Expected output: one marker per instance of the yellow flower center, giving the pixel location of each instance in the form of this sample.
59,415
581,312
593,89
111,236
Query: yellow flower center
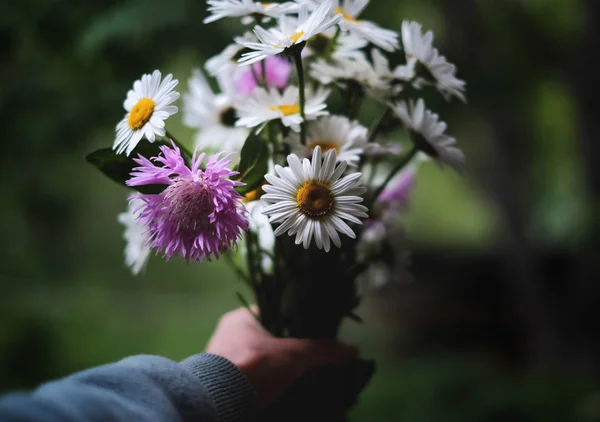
325,145
265,5
345,15
314,199
296,36
286,109
255,194
140,113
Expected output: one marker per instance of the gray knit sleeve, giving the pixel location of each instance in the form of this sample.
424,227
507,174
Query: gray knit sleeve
232,395
203,388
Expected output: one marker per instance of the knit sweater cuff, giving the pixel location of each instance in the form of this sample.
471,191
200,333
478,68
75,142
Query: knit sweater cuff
230,390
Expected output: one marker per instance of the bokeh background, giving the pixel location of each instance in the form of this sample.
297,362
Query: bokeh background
501,322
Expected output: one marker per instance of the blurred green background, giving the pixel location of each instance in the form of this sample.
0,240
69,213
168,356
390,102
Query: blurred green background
501,322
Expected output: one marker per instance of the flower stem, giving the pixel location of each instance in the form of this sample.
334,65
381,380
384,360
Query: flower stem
373,171
260,79
255,76
301,85
263,70
273,139
407,159
253,261
379,125
357,101
182,147
332,44
239,271
376,129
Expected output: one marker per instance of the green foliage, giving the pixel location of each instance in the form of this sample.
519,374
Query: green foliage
560,215
253,163
118,167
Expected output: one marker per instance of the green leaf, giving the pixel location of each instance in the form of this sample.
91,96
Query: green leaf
119,166
253,163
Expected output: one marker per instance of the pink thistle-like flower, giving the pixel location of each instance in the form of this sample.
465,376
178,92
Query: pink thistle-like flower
199,213
277,73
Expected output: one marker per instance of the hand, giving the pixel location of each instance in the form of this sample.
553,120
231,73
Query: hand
271,364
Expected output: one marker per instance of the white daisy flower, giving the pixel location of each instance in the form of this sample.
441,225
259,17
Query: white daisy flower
212,114
419,48
147,106
383,75
406,73
311,199
382,149
289,33
381,65
245,8
259,223
347,45
375,78
137,250
348,138
327,72
429,133
264,106
226,62
350,10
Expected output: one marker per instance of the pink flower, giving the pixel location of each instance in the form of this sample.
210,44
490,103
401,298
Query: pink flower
277,73
397,192
199,213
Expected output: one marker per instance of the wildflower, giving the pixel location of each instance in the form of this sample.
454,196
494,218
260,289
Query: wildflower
311,199
348,138
277,72
199,213
213,115
259,224
376,79
344,45
266,105
147,107
245,8
419,49
428,133
226,62
350,10
290,32
137,250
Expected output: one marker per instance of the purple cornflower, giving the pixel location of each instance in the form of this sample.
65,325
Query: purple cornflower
277,73
199,213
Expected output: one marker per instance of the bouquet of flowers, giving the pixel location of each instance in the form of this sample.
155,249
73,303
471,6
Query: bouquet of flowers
300,172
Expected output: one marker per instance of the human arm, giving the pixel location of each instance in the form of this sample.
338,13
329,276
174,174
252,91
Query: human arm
204,387
243,363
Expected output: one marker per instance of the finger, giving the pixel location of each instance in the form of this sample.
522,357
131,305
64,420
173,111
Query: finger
243,314
244,318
